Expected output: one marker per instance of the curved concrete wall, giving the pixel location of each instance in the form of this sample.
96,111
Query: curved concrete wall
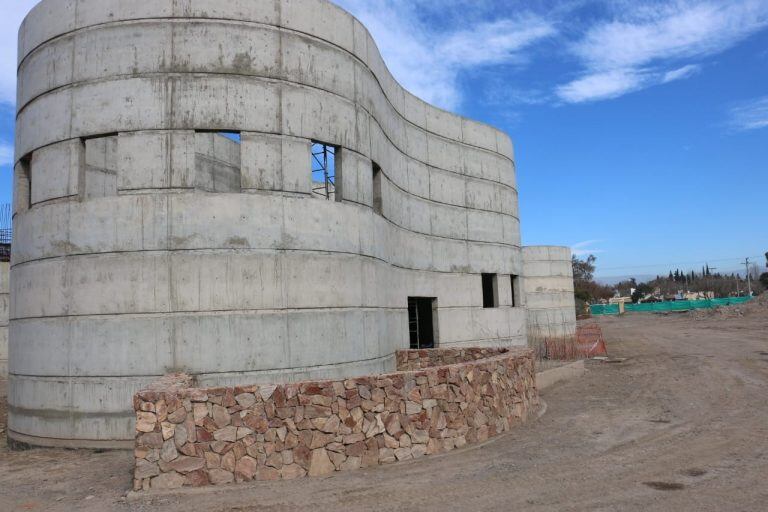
125,267
4,300
548,289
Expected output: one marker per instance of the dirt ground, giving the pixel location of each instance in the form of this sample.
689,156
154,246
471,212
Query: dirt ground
681,424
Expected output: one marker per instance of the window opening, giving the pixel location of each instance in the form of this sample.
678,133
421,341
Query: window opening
6,231
513,281
378,201
23,185
490,291
324,167
422,327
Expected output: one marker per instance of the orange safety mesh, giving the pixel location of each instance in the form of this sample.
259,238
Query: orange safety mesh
588,342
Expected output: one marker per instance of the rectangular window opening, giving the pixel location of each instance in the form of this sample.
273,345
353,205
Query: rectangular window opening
514,282
422,322
6,231
378,200
218,158
326,171
490,291
23,185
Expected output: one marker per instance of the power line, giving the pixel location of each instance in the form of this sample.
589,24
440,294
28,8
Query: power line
698,262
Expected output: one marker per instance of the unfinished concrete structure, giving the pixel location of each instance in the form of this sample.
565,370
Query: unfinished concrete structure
146,242
4,302
548,287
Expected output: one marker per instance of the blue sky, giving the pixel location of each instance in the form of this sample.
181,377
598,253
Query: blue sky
641,127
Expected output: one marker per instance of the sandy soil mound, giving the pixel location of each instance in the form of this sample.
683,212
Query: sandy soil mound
758,306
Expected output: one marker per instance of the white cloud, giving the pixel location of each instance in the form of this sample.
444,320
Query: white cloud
494,42
752,115
428,60
618,82
6,154
601,86
681,73
9,28
583,248
640,48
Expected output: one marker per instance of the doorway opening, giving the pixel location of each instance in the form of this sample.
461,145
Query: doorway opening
422,322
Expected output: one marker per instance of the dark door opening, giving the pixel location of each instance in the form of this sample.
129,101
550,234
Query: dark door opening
490,291
421,321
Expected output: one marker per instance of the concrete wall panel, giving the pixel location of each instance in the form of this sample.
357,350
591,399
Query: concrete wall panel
548,292
4,314
55,171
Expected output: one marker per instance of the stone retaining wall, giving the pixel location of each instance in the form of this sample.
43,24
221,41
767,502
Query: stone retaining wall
409,360
438,401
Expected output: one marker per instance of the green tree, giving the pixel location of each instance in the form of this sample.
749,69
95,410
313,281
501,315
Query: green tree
586,290
641,291
584,270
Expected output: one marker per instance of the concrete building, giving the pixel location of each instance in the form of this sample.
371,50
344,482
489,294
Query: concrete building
239,190
548,288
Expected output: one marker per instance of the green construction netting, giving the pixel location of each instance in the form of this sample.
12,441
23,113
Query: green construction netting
679,305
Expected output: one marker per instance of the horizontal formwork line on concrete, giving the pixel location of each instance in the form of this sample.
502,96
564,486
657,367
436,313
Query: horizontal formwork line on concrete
272,250
283,193
296,369
310,196
284,29
63,414
264,192
85,443
249,312
121,77
432,201
299,195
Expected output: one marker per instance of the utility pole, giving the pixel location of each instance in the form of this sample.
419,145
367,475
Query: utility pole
749,281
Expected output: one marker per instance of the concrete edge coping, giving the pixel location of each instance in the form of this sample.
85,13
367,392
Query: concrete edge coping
549,378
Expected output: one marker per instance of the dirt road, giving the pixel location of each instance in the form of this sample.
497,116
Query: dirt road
681,425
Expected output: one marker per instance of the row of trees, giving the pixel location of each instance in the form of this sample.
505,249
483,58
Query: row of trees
723,285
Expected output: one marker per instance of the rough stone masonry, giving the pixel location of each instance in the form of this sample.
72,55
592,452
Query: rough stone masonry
441,400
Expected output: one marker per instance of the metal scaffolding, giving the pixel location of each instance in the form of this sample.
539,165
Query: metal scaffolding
324,170
6,232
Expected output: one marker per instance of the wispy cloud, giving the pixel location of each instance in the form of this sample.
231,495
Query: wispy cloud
6,154
427,58
499,92
584,248
752,115
602,86
681,73
646,43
